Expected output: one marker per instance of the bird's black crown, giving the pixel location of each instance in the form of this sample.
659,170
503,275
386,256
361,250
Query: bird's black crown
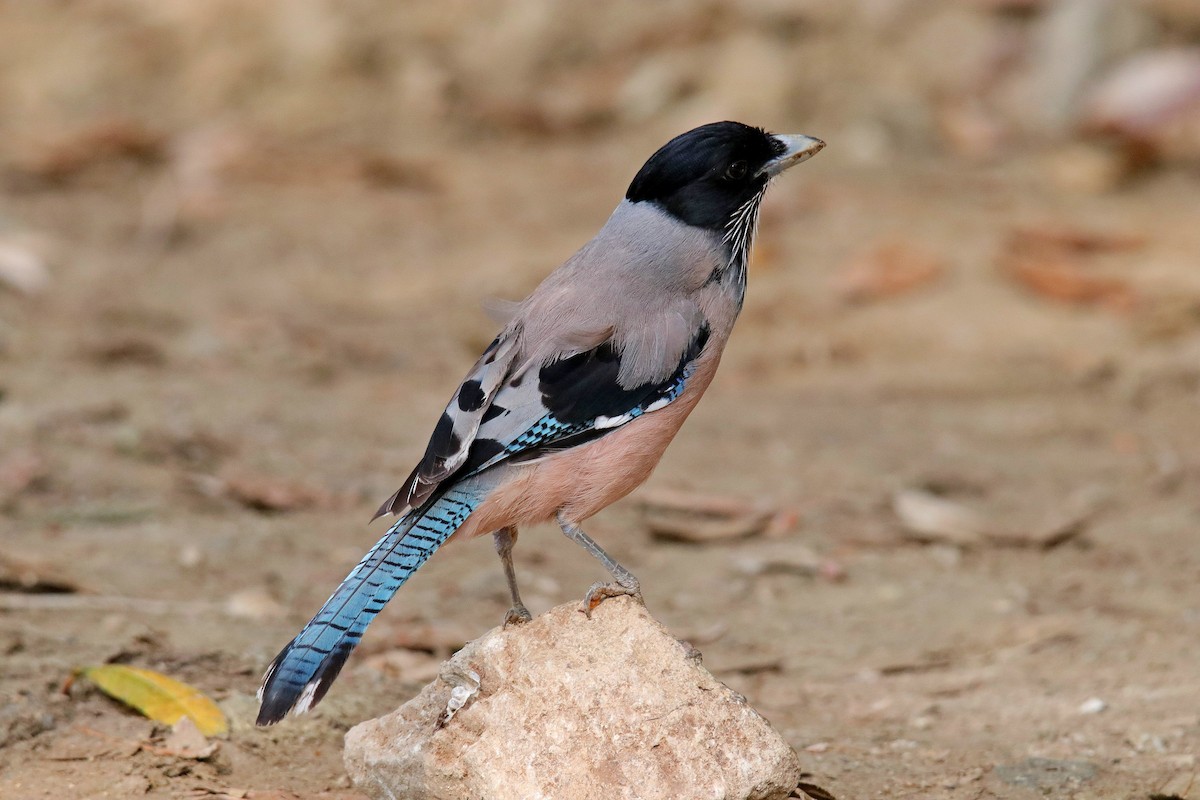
703,176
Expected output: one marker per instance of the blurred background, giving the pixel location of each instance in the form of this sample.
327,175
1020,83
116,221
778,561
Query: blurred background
935,517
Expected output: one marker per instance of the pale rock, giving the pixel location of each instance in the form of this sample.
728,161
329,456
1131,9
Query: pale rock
930,518
23,264
1077,40
570,708
1150,101
253,603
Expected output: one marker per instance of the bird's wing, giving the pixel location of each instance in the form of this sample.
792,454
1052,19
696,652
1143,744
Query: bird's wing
507,411
452,438
570,401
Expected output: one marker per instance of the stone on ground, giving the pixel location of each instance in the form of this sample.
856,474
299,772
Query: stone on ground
570,708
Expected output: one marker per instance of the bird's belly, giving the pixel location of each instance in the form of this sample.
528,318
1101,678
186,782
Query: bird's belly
583,480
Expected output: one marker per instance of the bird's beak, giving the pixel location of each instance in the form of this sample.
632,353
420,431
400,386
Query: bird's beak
797,148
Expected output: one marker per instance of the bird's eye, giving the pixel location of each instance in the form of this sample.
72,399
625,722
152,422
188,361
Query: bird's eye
736,171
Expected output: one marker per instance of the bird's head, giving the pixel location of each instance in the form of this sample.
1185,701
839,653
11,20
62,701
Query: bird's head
706,176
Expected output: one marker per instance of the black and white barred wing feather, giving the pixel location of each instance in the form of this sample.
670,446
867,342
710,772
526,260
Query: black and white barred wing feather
455,432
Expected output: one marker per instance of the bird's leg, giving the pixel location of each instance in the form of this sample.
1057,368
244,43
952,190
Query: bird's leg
624,581
504,539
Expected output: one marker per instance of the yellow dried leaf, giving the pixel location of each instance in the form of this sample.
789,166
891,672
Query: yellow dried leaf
160,698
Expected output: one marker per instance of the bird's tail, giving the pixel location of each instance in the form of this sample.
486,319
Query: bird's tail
304,670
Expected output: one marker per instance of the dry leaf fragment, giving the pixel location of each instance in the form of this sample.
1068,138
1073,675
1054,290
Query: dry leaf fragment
1066,282
104,141
158,697
784,521
1049,262
887,270
748,664
20,576
716,505
1178,787
779,557
271,494
1073,239
412,666
127,350
810,791
21,471
703,518
907,668
186,741
388,172
681,528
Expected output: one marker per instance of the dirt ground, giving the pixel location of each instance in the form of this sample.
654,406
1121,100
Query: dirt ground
205,403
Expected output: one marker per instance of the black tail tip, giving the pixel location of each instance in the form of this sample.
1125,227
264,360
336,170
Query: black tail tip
286,689
271,711
275,701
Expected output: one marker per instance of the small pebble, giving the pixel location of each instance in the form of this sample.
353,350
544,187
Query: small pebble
191,556
1093,706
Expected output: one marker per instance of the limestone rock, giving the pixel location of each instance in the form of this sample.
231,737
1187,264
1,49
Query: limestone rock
570,708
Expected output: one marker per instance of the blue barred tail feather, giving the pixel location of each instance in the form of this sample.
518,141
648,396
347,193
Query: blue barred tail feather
305,669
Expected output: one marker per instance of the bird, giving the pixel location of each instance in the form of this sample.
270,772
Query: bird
573,403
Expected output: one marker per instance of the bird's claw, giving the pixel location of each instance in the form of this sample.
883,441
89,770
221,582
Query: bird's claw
602,591
517,615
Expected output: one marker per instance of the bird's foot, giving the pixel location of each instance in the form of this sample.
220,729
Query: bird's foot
602,591
517,615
